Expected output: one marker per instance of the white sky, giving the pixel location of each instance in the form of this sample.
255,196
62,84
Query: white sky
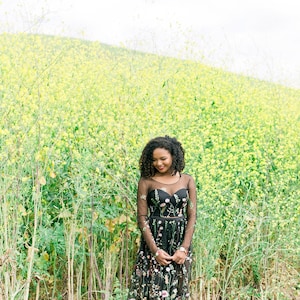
259,38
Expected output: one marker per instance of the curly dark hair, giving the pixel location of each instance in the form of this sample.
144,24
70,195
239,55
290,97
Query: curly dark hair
172,145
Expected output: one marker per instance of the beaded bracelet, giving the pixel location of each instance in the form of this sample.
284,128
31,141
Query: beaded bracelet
157,252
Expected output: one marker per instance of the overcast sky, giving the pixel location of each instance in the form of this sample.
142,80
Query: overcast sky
259,38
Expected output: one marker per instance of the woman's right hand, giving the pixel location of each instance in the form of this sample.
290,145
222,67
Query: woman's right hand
163,258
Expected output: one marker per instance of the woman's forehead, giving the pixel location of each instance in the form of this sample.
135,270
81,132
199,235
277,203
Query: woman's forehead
159,152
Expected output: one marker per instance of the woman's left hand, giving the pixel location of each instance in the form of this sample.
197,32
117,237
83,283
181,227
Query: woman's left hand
179,257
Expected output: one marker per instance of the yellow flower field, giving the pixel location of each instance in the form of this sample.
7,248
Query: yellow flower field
75,116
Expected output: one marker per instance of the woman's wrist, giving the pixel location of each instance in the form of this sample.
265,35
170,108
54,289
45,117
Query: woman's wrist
157,252
183,249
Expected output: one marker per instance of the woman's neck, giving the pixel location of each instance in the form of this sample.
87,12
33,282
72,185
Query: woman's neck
168,178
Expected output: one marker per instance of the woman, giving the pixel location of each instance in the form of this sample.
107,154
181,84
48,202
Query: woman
166,214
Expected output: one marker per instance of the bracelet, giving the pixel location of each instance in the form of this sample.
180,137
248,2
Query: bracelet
182,249
157,252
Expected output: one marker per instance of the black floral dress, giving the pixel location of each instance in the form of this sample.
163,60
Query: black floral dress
169,222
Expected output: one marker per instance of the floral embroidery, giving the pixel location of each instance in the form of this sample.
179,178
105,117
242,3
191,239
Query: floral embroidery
164,294
150,280
143,197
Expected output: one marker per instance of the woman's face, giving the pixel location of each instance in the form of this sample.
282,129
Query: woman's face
162,160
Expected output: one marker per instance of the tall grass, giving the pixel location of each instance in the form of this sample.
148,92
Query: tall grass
75,116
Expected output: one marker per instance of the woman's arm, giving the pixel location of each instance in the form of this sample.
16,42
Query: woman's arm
191,214
142,215
161,256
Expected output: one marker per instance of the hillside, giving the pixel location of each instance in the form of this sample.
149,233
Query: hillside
74,118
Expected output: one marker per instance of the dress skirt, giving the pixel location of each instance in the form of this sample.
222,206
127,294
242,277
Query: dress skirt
150,280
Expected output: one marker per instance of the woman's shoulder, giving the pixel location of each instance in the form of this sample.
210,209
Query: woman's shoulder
145,184
187,176
144,180
189,179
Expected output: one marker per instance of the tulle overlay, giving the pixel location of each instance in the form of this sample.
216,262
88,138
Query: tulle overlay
167,222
